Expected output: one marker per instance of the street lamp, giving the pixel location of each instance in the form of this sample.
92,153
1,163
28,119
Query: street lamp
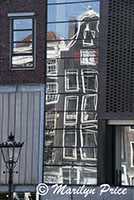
10,152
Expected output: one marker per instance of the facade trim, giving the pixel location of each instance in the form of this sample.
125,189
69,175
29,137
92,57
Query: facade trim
41,151
26,14
120,122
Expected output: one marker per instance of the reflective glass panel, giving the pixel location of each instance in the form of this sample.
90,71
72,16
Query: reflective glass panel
71,104
22,48
71,80
70,30
22,36
70,1
22,24
70,175
72,64
66,12
22,61
90,80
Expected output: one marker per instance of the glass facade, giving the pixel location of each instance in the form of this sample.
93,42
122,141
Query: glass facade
71,125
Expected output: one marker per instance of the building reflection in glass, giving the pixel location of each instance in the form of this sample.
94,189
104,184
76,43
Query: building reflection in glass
127,155
71,125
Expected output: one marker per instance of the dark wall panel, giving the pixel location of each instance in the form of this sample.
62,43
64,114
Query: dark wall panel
116,60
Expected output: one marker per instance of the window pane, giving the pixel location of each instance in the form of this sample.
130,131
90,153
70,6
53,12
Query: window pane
88,138
71,110
22,61
52,67
69,30
89,103
22,24
22,36
88,176
22,48
66,12
50,119
88,57
51,93
70,175
66,1
90,81
71,80
88,153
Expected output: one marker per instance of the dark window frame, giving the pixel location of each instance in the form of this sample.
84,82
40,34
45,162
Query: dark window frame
12,42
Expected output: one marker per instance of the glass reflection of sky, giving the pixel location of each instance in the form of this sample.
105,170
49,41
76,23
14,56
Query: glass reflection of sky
22,35
22,24
65,12
65,1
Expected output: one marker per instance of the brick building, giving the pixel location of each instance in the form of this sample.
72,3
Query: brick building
22,72
85,58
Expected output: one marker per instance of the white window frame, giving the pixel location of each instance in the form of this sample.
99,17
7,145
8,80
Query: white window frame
70,178
132,154
52,93
65,111
88,58
93,132
87,44
131,177
53,65
125,174
90,170
50,116
57,174
73,147
90,73
131,129
68,72
82,107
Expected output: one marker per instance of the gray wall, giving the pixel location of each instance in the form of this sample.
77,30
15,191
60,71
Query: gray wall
21,112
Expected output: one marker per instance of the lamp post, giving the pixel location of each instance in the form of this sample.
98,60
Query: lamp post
10,152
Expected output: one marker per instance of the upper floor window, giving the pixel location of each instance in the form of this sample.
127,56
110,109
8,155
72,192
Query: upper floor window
52,68
69,143
89,107
71,110
52,93
71,80
22,43
88,57
89,80
88,36
50,123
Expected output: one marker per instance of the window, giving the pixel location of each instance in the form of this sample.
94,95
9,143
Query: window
124,175
89,107
89,80
88,57
22,44
88,175
131,180
88,36
132,153
88,143
50,123
52,93
71,80
71,110
131,128
69,175
69,143
52,67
